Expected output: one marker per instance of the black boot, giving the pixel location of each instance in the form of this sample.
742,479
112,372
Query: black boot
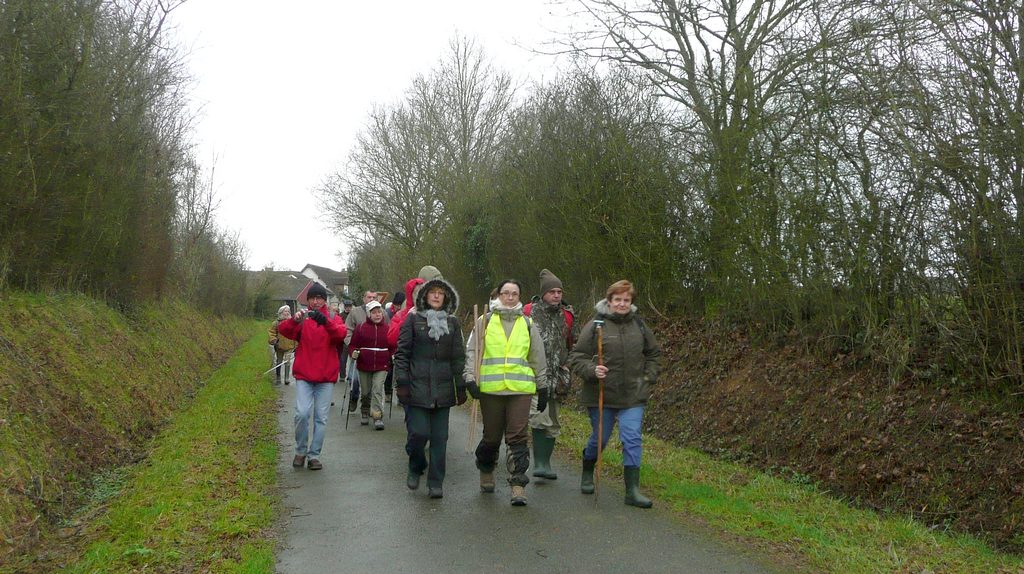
543,446
587,480
633,496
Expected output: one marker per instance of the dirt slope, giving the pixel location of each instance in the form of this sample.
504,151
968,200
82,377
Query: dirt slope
951,458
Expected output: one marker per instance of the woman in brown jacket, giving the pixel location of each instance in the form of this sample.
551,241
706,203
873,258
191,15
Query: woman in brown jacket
282,345
629,368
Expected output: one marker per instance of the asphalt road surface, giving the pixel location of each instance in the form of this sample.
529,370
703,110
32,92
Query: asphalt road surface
356,515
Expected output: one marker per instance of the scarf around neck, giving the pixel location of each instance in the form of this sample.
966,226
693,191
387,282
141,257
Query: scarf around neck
437,323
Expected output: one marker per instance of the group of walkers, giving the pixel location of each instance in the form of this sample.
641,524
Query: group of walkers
516,362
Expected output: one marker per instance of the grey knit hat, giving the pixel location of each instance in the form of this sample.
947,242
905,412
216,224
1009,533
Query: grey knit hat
548,281
429,273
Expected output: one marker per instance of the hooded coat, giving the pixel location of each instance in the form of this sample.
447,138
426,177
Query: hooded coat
431,365
630,352
399,318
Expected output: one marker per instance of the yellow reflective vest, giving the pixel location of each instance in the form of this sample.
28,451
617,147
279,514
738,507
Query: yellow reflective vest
505,366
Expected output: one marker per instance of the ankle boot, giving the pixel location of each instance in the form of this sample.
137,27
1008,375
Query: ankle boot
587,480
518,496
631,474
543,446
487,481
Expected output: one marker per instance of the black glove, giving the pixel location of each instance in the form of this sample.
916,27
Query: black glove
460,396
473,388
403,392
542,399
317,316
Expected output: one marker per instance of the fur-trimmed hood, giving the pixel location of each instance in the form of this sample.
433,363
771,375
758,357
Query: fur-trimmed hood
601,308
451,297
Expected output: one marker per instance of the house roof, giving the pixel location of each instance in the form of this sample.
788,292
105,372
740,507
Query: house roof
327,275
280,285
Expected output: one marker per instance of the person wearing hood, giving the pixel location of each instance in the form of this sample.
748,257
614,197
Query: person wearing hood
411,289
427,273
282,346
320,334
513,369
369,348
391,310
429,361
556,322
629,368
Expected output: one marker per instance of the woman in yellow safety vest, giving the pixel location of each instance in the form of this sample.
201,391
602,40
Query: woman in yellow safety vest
512,370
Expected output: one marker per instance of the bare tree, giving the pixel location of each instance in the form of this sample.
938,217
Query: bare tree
417,157
728,65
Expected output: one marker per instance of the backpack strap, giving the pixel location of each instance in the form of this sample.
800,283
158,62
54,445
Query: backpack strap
640,323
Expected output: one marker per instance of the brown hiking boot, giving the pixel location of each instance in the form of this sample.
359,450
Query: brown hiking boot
518,496
314,464
299,461
486,481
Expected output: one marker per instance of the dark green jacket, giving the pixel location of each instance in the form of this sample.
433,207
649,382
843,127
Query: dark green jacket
630,352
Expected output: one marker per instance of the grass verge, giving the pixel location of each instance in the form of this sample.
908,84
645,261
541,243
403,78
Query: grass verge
205,498
84,388
792,518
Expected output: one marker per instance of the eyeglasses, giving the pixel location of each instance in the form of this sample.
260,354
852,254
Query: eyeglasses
311,297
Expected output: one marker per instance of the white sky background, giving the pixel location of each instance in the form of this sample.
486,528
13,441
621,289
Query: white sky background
282,89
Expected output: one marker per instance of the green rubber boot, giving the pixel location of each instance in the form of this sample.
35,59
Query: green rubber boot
587,480
631,474
543,446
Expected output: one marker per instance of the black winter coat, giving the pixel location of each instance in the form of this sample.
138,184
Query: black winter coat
432,368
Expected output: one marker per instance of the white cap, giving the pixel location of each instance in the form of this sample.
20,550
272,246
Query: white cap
372,305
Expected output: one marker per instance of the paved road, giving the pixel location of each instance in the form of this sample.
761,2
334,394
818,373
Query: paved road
356,515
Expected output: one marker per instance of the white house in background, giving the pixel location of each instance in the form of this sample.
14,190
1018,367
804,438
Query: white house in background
335,281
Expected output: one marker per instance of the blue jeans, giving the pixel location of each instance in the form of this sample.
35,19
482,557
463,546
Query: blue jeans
630,420
311,399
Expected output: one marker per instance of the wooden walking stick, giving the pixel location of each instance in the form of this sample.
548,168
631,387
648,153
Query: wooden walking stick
477,354
599,327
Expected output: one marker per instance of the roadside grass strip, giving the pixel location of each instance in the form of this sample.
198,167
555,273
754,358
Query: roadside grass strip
791,518
205,498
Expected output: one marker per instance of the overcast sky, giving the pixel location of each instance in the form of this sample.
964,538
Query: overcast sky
283,88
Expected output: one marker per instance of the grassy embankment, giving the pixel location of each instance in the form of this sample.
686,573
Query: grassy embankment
83,390
790,519
205,499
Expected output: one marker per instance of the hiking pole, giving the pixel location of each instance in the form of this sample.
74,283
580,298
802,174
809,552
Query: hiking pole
348,397
476,372
284,362
391,397
599,326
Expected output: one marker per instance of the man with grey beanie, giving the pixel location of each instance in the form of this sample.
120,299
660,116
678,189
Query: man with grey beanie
555,321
